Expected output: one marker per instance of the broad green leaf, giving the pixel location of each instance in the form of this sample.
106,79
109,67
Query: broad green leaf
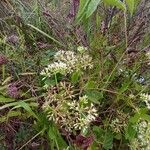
99,133
116,3
92,7
131,5
135,118
108,141
75,77
130,132
53,134
145,117
94,96
90,85
5,100
105,137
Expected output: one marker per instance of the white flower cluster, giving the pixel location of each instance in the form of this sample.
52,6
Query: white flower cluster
86,113
56,67
71,114
146,99
67,62
119,123
143,136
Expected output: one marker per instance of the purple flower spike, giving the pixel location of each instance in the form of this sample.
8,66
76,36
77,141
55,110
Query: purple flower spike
3,59
13,39
13,91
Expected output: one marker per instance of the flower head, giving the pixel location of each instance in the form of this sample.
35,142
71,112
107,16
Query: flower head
13,39
81,49
54,68
3,59
69,113
146,99
13,91
142,139
66,62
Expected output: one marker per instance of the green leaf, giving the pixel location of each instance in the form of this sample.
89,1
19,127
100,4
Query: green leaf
116,3
19,104
75,77
145,117
131,5
90,85
105,137
94,96
108,141
5,100
135,118
130,132
92,6
53,134
82,10
10,114
99,133
27,107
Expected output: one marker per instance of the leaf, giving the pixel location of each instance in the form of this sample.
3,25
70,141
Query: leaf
105,137
131,5
108,141
99,133
130,132
116,3
5,100
145,117
75,77
94,96
92,6
10,114
27,108
82,9
22,104
53,134
135,118
90,85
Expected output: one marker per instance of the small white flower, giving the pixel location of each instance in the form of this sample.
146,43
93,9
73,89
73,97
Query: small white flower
143,135
75,116
148,55
81,49
146,99
54,68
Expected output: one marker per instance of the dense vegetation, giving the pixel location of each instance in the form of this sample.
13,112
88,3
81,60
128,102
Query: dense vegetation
74,75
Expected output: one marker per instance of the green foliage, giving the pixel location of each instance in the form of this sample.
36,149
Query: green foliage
116,3
98,102
131,5
92,7
104,137
88,7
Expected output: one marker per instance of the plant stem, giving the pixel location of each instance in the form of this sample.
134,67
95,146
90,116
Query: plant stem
125,29
3,72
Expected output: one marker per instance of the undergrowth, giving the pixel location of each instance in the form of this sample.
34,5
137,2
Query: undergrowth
74,75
